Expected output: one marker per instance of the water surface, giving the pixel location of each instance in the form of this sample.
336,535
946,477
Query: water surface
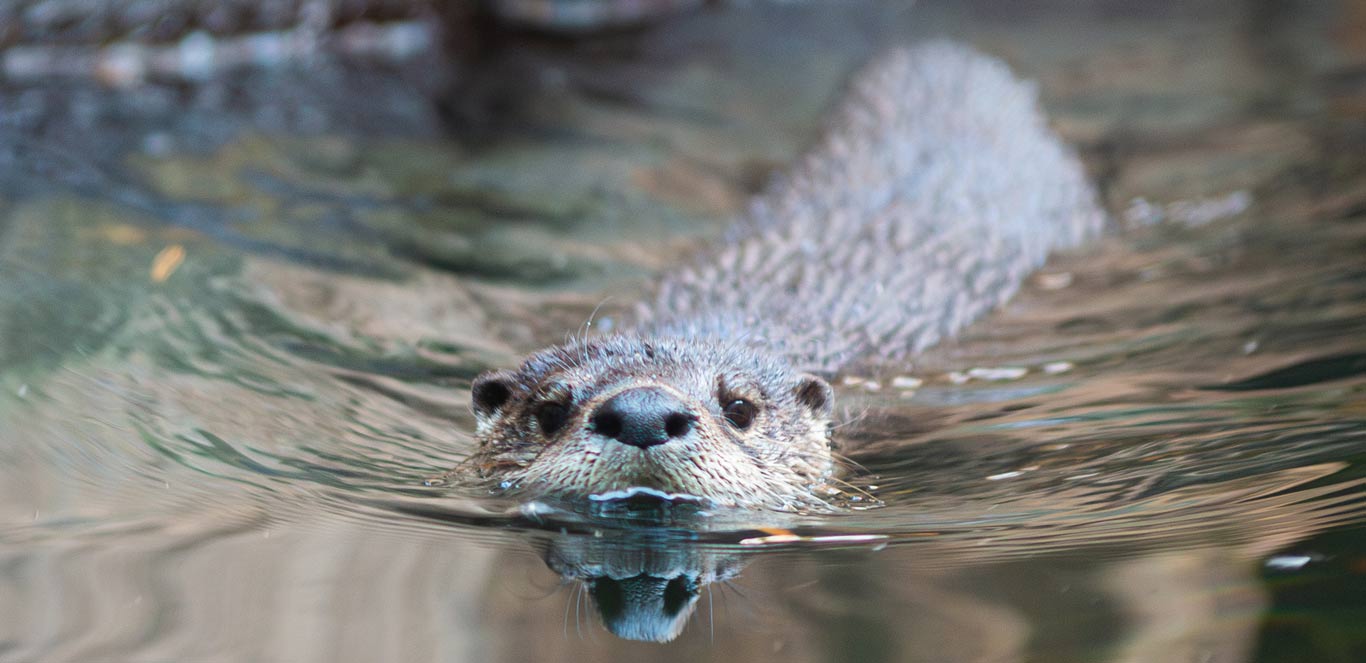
237,332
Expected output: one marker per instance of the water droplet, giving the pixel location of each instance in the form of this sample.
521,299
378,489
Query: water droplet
906,382
1290,562
993,374
1055,281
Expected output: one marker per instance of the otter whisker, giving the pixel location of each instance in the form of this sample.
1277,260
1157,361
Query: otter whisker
571,595
847,462
711,616
852,420
578,602
583,329
855,489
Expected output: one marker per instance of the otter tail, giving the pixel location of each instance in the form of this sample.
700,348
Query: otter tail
936,189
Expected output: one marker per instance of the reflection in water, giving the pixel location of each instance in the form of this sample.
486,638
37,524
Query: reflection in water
643,589
1177,570
227,368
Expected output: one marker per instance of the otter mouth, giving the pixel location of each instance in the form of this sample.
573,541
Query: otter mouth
647,494
643,501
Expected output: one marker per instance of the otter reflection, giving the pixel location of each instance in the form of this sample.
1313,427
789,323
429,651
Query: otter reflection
644,587
1169,577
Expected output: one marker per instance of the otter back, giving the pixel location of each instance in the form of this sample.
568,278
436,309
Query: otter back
936,189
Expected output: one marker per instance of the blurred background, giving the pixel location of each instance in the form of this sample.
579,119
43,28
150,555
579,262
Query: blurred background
251,254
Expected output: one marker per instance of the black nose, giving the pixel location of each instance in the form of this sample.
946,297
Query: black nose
643,417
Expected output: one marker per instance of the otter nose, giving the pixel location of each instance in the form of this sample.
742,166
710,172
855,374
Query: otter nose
643,417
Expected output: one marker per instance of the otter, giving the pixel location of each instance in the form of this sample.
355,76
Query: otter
935,190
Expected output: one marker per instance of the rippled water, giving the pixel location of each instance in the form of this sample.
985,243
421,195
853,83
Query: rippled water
231,361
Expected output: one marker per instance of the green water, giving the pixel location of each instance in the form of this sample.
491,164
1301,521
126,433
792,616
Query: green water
234,350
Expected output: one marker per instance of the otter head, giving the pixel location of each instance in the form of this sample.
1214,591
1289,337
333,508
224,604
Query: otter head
620,415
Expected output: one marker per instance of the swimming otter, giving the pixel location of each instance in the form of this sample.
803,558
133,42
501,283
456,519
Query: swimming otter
936,189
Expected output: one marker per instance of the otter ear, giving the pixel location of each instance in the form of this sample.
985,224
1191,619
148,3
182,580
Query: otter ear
491,391
815,394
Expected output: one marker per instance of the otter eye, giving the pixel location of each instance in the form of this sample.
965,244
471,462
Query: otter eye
550,416
740,413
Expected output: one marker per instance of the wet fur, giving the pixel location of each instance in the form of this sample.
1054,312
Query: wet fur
787,445
936,190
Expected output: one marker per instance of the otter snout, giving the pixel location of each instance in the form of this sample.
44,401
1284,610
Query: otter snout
643,417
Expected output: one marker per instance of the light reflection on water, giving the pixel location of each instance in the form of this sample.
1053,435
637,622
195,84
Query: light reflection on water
226,457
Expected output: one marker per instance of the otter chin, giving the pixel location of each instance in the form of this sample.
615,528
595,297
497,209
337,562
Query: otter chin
622,416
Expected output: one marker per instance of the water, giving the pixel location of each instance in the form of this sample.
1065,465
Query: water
235,343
